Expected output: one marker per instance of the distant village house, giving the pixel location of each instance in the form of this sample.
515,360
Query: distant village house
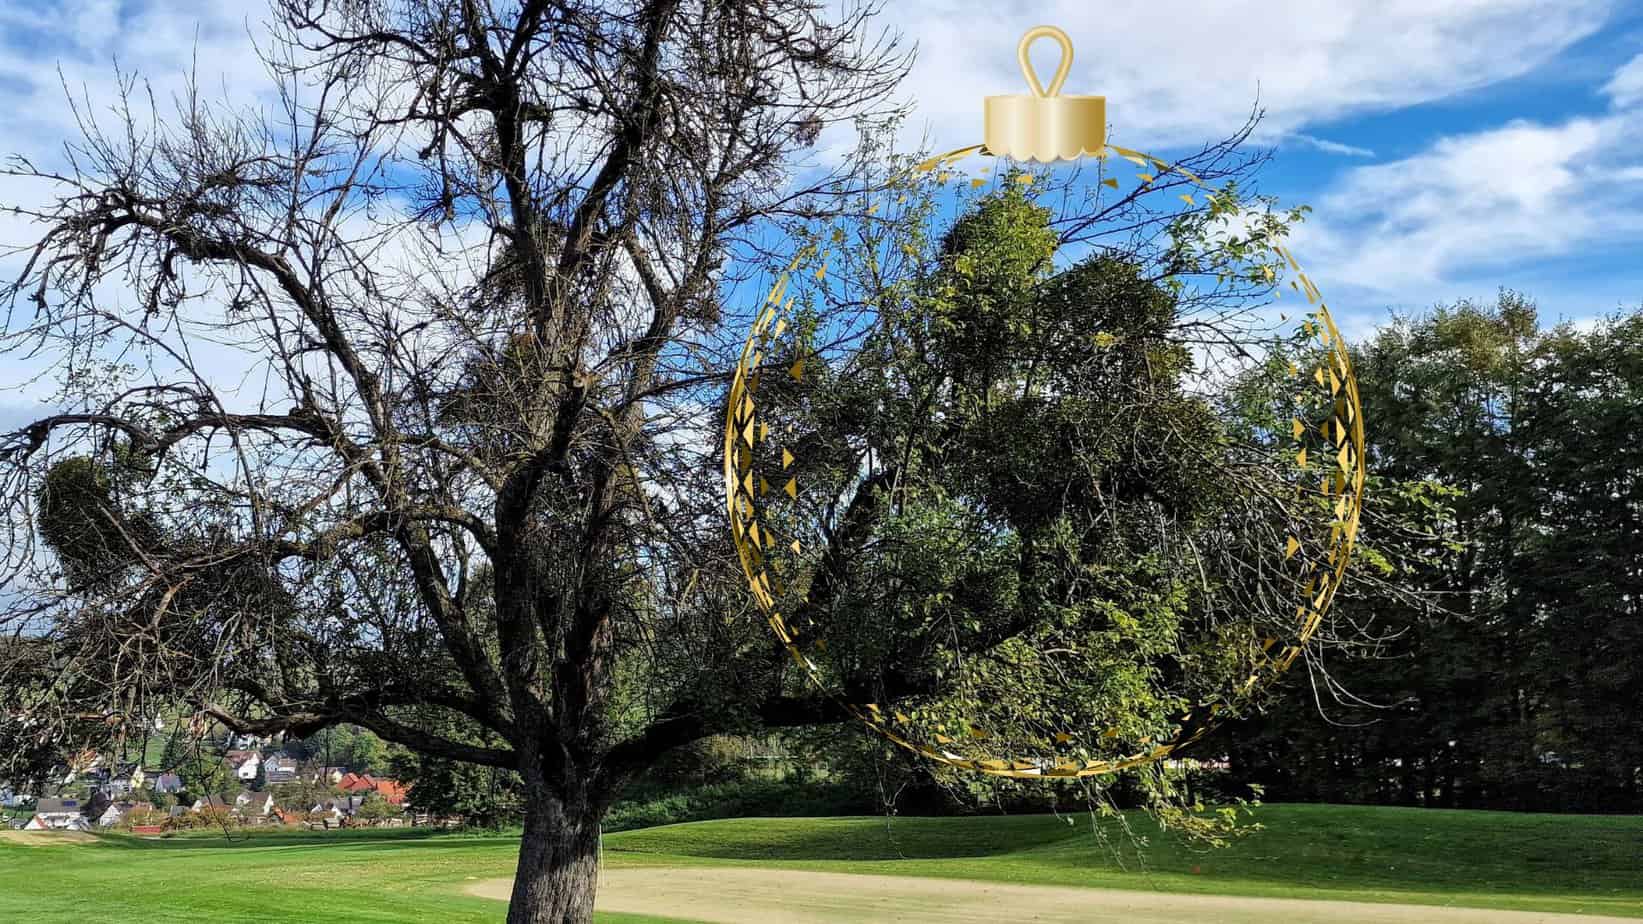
244,764
58,815
124,781
280,769
116,811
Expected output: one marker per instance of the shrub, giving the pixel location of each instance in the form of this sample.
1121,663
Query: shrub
375,808
204,819
645,807
141,816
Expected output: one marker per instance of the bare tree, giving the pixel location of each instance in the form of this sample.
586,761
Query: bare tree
473,263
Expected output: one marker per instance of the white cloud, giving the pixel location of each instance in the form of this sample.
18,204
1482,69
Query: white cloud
1188,73
48,54
1327,146
1501,197
1527,205
76,46
1626,87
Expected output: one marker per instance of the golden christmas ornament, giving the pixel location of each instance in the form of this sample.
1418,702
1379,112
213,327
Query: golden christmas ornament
759,465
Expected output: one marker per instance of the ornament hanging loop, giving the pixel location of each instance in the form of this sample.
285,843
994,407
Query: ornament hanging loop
1044,125
1061,70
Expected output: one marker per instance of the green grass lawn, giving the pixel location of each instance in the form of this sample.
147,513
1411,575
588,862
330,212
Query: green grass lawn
1571,863
1532,862
335,877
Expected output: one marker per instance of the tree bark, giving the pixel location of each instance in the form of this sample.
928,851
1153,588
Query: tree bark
558,871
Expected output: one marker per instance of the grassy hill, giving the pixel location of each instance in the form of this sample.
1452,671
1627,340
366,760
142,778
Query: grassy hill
1492,860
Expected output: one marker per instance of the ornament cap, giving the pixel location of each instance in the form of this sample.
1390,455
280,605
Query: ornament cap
1045,126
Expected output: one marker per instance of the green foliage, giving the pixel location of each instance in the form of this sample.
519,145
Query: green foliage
485,796
203,773
143,816
206,819
648,806
376,808
303,793
350,746
1043,475
80,519
1508,503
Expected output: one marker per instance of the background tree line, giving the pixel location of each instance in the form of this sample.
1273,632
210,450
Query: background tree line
1510,676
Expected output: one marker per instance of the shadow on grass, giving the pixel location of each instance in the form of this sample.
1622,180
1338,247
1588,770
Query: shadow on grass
857,838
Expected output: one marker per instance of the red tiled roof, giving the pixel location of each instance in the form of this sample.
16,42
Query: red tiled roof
236,758
393,791
357,782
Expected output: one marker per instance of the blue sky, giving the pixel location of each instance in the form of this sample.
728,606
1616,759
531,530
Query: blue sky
1448,147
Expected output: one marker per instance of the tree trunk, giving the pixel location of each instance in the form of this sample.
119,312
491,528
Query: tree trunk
558,864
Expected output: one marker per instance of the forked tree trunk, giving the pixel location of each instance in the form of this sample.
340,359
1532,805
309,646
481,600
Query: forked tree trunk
558,864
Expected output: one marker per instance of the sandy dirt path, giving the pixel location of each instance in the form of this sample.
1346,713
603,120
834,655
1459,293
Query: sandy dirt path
727,895
46,838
